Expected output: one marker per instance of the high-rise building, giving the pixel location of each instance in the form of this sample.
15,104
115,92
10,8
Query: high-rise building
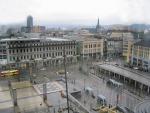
30,21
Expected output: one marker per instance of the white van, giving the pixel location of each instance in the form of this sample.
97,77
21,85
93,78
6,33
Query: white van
89,91
101,100
112,82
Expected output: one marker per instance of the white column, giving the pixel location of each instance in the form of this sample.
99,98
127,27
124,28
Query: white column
148,89
135,84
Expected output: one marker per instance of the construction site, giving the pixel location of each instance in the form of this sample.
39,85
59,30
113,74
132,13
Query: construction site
51,90
50,97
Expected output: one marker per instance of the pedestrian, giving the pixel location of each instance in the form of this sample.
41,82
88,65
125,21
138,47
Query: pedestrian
41,104
84,102
90,106
103,79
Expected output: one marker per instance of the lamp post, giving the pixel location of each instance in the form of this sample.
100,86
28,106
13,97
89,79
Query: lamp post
66,80
84,84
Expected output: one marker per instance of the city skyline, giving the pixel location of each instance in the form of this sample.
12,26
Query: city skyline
74,56
75,12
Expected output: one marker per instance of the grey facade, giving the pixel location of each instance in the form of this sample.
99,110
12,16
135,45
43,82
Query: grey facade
46,51
114,48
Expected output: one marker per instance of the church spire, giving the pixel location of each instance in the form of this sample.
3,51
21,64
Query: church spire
98,22
98,26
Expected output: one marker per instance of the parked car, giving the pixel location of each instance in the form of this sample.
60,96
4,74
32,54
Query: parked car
106,60
116,64
136,68
43,69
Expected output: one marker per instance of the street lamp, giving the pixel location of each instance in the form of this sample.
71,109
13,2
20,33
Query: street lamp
66,80
84,84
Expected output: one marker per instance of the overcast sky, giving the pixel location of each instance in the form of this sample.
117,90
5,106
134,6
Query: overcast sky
75,11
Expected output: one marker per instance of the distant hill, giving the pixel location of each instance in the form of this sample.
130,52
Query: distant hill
147,36
139,27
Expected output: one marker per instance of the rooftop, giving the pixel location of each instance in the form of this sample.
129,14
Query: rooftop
143,43
141,78
116,34
41,39
114,39
89,39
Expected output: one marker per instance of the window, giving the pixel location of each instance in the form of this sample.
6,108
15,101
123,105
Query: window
85,46
31,57
21,57
10,58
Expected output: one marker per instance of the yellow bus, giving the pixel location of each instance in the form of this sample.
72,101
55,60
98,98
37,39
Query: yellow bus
9,73
61,72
